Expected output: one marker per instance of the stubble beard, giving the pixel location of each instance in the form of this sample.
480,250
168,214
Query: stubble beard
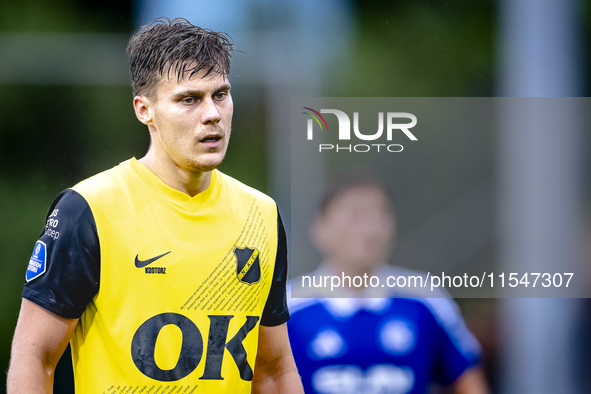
197,166
200,168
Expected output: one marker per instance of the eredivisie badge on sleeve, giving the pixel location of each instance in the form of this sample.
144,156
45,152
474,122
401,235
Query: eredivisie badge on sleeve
248,269
37,262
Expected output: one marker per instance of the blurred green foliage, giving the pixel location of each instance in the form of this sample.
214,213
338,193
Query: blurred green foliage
425,48
65,16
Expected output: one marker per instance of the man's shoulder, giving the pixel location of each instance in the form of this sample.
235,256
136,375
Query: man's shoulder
242,190
105,183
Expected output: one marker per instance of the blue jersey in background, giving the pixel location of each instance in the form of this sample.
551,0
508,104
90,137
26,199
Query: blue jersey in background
379,345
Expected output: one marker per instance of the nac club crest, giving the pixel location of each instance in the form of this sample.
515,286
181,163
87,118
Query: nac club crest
248,267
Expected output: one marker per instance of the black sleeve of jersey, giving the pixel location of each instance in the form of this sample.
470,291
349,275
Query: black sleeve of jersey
72,271
276,312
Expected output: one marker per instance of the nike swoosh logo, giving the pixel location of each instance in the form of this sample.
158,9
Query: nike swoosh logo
142,263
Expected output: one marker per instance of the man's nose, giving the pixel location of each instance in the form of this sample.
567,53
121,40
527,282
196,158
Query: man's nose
210,112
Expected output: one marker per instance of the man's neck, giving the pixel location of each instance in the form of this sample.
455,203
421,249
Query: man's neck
174,176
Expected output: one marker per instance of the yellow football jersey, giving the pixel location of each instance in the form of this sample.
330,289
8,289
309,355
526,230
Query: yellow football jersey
183,282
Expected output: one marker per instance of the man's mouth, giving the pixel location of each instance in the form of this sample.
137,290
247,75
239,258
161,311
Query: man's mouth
211,138
211,141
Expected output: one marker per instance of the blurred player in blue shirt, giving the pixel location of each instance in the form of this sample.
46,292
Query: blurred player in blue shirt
358,345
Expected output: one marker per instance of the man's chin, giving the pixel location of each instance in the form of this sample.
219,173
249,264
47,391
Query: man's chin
204,166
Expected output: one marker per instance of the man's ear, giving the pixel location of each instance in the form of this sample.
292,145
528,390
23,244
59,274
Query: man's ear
143,109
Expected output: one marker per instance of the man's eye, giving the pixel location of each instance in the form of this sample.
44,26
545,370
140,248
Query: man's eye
220,95
188,100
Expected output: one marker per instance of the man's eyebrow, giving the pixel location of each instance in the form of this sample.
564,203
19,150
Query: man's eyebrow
225,86
192,92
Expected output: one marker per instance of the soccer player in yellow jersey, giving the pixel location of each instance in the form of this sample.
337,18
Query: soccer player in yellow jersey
165,275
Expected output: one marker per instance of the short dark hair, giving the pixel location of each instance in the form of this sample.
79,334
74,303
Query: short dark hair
342,185
175,45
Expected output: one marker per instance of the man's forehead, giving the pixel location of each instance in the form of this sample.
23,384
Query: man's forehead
197,82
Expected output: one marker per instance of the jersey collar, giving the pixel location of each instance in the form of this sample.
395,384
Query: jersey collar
177,197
